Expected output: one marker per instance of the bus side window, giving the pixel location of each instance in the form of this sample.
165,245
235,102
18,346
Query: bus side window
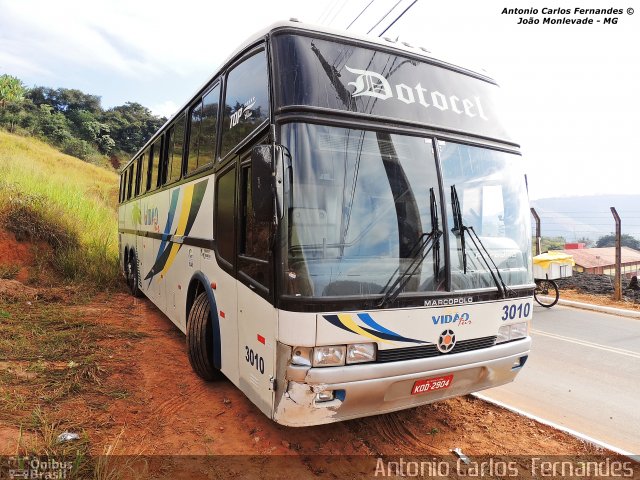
144,172
122,174
177,150
135,178
203,130
167,151
156,164
209,126
138,179
125,187
129,180
174,151
225,215
194,137
246,103
254,236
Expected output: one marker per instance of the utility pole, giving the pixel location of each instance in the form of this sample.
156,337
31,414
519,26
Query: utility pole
537,219
617,282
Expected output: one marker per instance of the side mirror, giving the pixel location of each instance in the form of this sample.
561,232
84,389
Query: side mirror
262,182
282,179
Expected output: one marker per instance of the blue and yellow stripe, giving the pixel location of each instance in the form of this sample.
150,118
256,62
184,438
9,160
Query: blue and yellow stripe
191,202
371,329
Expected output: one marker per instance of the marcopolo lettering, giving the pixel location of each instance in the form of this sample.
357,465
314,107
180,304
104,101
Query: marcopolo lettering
372,84
447,301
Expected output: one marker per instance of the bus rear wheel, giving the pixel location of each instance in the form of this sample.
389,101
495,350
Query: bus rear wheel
200,339
132,274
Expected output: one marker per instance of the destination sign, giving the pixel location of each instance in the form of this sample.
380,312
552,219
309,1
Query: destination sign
327,74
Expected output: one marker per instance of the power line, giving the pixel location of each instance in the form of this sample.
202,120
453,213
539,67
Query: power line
344,3
363,10
385,16
327,11
398,17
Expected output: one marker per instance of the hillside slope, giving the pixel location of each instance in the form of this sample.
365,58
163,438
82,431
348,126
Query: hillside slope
57,199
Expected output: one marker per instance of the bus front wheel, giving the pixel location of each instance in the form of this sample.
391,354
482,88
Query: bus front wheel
200,339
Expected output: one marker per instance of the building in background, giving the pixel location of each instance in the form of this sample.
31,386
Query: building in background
603,260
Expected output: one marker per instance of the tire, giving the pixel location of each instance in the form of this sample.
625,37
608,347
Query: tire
200,339
549,289
132,275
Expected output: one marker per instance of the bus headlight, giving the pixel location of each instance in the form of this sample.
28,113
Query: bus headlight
519,330
361,352
329,356
333,355
302,356
506,333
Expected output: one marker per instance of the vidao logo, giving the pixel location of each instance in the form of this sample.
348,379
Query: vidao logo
459,318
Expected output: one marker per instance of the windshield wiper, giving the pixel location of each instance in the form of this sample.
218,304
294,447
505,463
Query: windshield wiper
459,229
435,227
425,243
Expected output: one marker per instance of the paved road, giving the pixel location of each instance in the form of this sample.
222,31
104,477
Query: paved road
583,373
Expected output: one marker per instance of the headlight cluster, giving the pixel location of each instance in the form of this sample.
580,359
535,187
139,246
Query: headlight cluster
334,355
506,333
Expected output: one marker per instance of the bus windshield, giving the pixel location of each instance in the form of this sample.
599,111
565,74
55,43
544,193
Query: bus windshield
361,206
494,206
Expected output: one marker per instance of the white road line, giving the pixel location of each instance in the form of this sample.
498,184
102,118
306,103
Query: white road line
619,351
557,426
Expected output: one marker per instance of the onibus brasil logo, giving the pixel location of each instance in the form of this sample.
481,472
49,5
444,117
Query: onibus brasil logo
372,84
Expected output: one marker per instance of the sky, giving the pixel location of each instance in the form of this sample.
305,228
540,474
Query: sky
571,90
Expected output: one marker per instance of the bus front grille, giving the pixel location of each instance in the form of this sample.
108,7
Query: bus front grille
426,351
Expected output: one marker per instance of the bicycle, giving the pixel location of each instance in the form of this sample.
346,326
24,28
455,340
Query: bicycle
547,288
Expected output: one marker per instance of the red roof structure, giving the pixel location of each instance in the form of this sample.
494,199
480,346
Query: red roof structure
599,260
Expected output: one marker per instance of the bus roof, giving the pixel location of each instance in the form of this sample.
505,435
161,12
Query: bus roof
293,24
386,42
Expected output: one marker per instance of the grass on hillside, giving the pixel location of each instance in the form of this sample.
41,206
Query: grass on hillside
47,196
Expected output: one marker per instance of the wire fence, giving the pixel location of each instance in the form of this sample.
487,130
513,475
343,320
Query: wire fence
591,229
574,226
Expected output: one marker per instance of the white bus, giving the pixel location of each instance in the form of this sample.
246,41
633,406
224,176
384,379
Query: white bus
338,224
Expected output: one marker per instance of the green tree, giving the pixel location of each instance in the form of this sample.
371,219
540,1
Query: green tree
65,99
625,240
131,125
550,243
53,125
75,121
11,90
11,116
587,242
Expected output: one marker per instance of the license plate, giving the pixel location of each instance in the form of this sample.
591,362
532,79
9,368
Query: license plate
431,384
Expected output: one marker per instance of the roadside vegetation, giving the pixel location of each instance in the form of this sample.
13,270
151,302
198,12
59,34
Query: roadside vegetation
65,207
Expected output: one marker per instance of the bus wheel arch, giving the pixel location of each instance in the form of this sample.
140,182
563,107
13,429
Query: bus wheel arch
203,329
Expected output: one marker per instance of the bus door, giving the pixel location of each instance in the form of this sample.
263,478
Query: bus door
256,314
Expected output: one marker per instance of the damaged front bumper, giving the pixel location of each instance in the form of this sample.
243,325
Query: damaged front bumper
376,388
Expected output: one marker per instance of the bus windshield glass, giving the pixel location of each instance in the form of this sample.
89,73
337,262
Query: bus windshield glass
360,208
494,209
360,213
